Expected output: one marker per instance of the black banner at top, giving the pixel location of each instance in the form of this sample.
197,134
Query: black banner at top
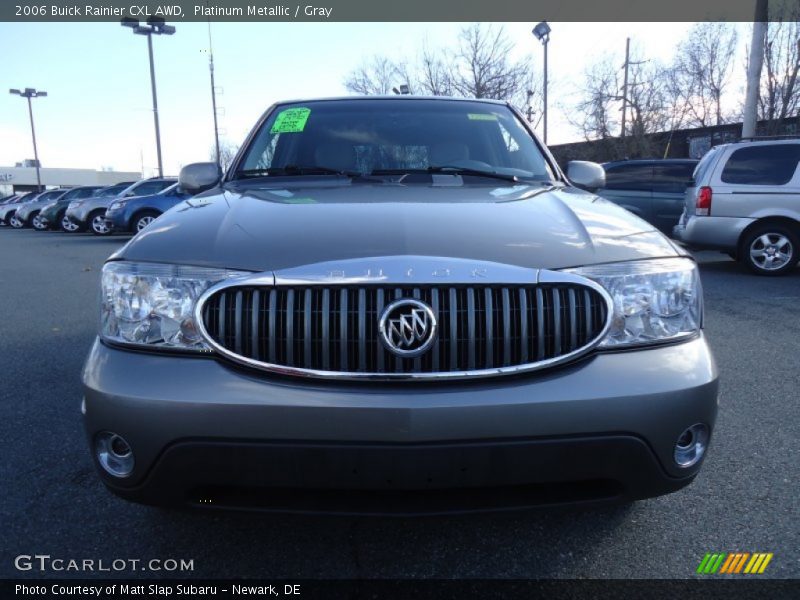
175,11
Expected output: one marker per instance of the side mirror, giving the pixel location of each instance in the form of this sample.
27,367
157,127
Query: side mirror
585,174
199,177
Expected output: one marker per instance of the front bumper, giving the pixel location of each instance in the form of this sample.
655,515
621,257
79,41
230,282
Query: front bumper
205,433
116,220
79,215
23,214
51,217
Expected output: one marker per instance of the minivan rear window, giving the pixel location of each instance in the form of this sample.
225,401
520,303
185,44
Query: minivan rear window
702,167
773,164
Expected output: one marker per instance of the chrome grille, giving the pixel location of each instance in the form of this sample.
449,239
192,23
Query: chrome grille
333,329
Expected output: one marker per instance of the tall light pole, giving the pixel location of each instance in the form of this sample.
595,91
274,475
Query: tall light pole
213,91
32,93
542,33
153,26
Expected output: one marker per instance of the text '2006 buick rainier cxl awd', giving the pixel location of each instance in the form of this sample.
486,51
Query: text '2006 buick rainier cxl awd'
398,305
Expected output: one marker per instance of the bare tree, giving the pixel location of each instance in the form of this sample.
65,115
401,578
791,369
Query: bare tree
435,73
595,113
227,152
780,89
598,109
701,71
377,76
484,67
480,67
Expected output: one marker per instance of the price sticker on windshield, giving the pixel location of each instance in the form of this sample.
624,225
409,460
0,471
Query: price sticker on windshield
481,117
291,120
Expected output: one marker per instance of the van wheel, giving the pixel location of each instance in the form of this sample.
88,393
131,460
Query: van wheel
770,250
97,223
143,219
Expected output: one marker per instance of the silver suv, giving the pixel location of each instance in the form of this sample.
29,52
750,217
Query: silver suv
745,200
397,305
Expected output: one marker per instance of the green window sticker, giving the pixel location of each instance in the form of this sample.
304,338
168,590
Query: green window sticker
291,120
481,117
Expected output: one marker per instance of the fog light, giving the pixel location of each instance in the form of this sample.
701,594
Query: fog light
691,445
114,454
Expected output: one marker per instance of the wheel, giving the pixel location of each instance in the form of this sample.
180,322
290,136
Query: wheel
770,250
15,222
144,219
97,223
37,223
67,225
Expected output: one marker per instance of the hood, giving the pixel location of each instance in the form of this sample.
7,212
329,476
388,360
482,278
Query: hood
272,229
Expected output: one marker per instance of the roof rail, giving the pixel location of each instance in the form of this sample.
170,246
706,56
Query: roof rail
760,138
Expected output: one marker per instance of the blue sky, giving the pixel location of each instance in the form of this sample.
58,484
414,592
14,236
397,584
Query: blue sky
98,112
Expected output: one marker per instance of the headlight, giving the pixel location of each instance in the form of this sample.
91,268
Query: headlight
654,300
47,207
152,305
117,204
75,203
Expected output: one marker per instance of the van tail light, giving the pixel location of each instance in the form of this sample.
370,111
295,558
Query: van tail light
703,205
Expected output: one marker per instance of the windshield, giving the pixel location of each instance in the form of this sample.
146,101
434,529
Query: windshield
390,137
46,196
111,191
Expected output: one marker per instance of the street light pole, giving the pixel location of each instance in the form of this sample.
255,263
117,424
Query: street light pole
155,104
542,33
29,93
154,26
213,93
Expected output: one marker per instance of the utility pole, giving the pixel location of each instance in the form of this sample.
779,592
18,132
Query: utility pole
625,83
754,69
213,91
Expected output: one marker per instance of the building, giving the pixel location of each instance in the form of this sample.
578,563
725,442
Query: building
23,178
680,143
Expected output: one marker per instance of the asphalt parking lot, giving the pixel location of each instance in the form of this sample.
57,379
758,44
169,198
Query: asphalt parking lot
745,498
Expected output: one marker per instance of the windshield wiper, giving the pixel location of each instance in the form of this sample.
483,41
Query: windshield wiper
448,170
477,172
295,170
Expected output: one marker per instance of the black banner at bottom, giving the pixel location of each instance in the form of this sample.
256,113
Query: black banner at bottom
406,589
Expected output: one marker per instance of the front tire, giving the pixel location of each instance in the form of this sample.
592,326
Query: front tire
67,225
15,222
770,250
144,219
97,223
37,223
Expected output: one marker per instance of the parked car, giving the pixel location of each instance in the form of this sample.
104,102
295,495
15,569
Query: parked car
397,304
745,200
651,189
53,215
8,200
91,212
27,215
134,214
8,211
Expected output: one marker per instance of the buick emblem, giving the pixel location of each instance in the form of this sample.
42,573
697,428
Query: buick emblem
408,327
